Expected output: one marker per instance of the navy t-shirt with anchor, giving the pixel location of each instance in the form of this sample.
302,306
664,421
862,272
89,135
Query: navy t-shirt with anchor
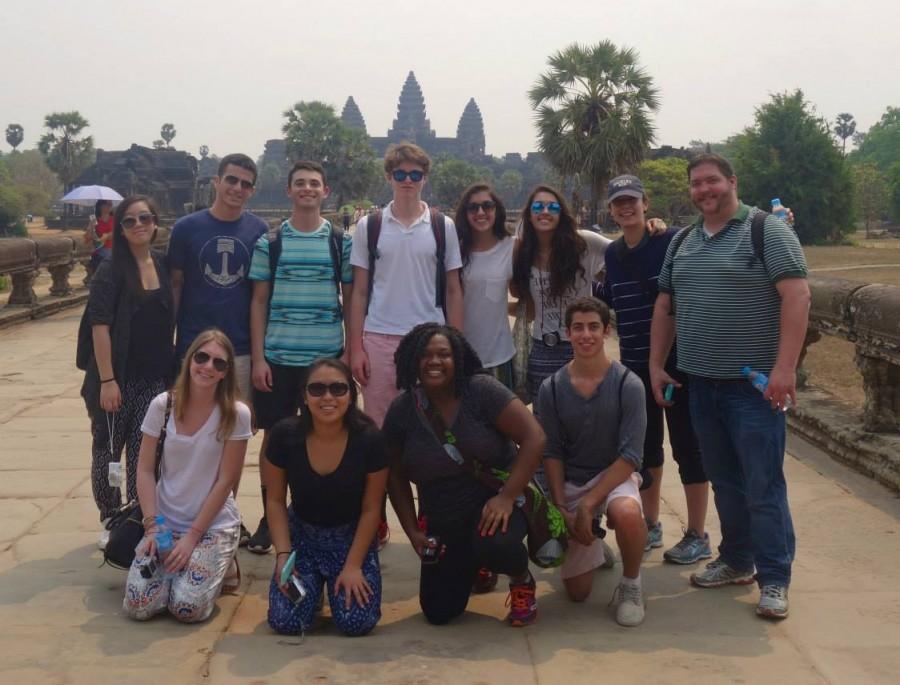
215,259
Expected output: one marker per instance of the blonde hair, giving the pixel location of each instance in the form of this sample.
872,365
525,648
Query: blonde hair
406,152
227,393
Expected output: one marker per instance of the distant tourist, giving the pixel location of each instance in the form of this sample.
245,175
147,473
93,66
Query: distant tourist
736,308
209,257
592,410
127,349
296,315
345,219
333,459
203,454
99,232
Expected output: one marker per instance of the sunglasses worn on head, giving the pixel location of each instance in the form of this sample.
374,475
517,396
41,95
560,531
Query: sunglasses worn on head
400,175
553,207
486,206
335,389
144,219
234,180
201,358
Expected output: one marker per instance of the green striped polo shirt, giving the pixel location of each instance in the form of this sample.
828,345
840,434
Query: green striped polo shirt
727,310
304,318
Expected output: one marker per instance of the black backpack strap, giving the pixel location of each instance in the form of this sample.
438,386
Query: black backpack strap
274,237
160,444
439,228
373,232
336,248
758,236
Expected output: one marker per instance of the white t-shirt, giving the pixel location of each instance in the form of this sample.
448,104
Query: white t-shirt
403,294
190,466
549,312
485,294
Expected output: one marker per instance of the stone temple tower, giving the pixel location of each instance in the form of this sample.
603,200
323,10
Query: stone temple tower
411,123
470,132
351,116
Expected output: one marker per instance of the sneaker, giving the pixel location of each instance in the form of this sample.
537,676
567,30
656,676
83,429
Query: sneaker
654,535
629,603
690,549
609,557
383,535
261,541
485,582
717,573
244,537
522,604
773,601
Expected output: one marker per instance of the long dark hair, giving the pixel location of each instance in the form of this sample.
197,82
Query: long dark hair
124,266
566,249
464,231
355,420
466,362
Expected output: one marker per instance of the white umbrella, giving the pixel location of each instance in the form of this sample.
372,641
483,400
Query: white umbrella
87,196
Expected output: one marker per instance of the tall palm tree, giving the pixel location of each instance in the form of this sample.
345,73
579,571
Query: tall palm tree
167,133
14,135
593,113
66,154
844,128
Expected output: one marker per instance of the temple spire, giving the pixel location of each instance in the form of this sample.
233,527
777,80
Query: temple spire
411,123
470,131
351,116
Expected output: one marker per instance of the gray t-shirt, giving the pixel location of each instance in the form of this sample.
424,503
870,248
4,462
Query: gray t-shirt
446,492
609,424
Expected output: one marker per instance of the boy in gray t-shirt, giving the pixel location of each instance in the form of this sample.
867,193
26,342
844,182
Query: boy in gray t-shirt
594,414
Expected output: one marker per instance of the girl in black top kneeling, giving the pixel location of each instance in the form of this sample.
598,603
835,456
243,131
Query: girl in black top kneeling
333,459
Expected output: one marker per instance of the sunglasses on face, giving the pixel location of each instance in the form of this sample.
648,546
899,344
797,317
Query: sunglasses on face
201,358
486,206
144,219
234,180
334,389
400,175
553,207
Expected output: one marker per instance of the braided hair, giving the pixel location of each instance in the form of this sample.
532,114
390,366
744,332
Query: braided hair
411,350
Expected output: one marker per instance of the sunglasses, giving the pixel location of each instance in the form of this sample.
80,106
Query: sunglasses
486,206
234,180
144,219
553,207
335,389
201,358
400,175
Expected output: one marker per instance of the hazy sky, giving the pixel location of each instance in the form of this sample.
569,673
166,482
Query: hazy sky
223,72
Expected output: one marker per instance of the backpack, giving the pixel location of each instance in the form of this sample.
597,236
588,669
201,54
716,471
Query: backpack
438,228
335,248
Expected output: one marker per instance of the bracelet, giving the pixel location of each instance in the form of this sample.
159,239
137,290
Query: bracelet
197,531
108,380
148,519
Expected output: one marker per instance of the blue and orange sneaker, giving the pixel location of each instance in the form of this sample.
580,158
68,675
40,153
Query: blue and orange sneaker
522,603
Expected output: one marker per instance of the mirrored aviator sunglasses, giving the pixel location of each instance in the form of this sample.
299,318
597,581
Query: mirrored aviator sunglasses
334,389
553,207
201,358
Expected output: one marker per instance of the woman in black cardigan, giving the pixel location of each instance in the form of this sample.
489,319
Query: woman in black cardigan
132,317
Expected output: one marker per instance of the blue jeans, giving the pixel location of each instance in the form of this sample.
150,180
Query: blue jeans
742,445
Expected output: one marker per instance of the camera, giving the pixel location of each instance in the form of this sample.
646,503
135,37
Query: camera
295,589
432,552
551,339
147,567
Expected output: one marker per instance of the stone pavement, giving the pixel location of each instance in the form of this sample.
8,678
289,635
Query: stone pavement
61,620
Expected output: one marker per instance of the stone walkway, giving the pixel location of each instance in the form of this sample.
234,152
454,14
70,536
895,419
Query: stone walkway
60,618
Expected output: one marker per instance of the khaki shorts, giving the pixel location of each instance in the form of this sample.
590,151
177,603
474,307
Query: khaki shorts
581,559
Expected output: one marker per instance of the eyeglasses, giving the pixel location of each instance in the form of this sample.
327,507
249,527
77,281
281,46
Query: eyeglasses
486,206
335,389
144,219
202,358
234,180
553,207
400,175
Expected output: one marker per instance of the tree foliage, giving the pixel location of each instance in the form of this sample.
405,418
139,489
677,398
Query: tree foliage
881,144
593,113
12,204
159,144
167,133
667,187
893,180
449,177
844,128
790,153
870,194
510,186
66,153
36,183
204,151
15,134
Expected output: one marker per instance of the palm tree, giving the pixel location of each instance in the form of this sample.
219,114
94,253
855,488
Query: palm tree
167,133
14,135
593,113
66,154
844,128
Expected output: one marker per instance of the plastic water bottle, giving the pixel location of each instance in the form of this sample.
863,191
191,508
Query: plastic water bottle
164,540
760,381
780,210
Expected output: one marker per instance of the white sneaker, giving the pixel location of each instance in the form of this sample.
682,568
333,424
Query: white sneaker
629,603
773,601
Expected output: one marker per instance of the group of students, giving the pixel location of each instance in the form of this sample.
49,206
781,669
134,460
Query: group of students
414,307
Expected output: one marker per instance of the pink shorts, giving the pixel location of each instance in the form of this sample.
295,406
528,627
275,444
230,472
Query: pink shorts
381,389
580,558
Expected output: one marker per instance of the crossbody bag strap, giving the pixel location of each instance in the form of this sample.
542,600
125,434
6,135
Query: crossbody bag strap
162,436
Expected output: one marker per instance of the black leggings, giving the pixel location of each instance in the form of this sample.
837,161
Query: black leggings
444,587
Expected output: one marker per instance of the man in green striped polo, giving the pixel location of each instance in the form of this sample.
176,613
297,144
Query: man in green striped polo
731,307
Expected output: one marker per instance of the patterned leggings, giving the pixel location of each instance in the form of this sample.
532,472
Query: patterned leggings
126,424
321,552
189,595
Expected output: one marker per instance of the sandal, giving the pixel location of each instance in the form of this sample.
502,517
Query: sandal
232,581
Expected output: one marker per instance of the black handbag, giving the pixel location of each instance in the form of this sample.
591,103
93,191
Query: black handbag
126,526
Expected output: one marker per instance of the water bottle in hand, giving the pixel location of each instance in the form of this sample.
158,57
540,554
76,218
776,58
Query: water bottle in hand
780,211
164,540
760,381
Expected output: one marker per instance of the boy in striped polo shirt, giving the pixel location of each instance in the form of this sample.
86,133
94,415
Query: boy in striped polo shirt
734,309
295,317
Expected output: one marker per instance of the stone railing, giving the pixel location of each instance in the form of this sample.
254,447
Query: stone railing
23,258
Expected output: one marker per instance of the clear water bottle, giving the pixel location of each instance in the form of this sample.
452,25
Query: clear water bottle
164,540
760,381
780,210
